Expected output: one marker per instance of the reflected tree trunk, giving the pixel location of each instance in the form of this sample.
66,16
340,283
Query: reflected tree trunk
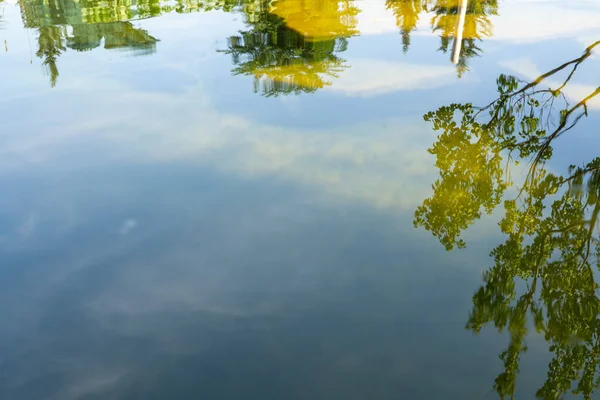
460,27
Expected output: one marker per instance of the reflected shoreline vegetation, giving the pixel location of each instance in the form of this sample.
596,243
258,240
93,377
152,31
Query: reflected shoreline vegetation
544,276
288,46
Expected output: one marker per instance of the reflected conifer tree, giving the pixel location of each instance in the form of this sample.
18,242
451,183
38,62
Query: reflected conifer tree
50,47
544,273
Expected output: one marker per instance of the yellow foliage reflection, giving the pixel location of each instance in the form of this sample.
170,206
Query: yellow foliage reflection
284,60
319,19
407,14
477,24
448,23
304,77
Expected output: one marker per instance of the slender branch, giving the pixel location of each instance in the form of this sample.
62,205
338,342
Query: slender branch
586,54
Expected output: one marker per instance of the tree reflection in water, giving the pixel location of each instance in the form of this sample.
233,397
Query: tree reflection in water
302,59
544,273
82,26
476,26
288,46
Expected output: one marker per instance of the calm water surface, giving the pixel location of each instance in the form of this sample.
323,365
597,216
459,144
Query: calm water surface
242,200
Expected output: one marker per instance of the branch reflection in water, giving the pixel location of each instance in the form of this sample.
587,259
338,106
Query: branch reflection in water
544,274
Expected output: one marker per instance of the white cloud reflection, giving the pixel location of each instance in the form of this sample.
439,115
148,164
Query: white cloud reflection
375,162
532,21
368,77
535,21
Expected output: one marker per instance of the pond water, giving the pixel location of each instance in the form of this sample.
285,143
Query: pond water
241,199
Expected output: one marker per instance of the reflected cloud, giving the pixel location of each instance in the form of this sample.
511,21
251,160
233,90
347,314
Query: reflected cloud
27,227
376,77
551,21
127,226
375,163
377,169
513,22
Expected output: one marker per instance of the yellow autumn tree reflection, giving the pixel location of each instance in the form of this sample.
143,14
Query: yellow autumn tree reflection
407,13
283,60
445,21
319,19
297,77
476,26
544,274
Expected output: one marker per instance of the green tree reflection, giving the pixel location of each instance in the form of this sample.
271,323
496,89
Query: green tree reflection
281,58
50,47
89,23
83,25
543,274
285,46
